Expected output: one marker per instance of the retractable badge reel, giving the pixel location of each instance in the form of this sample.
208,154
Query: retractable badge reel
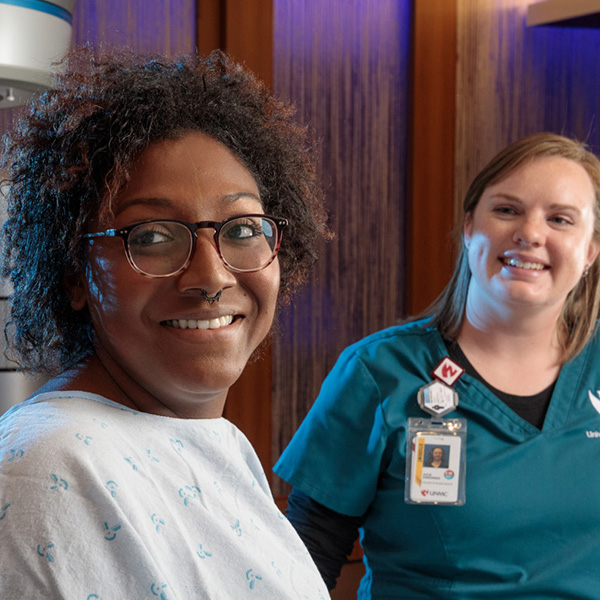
436,447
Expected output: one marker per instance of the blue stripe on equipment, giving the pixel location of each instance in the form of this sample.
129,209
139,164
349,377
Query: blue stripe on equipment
41,6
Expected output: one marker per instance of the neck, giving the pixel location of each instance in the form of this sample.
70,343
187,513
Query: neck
540,344
516,326
99,374
521,342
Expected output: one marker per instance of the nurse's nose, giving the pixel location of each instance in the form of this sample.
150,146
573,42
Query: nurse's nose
530,231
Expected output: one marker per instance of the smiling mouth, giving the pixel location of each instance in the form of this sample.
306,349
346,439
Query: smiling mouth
200,323
532,266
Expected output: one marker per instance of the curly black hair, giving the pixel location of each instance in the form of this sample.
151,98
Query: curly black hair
72,153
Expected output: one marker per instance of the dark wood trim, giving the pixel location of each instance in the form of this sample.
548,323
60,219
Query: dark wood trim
243,28
249,35
210,25
430,256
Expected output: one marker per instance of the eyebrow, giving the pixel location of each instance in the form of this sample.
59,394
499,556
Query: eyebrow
160,202
518,200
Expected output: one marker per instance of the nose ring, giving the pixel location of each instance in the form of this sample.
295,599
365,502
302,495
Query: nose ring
211,299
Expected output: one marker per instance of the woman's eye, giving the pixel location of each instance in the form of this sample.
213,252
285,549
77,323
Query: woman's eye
242,231
149,236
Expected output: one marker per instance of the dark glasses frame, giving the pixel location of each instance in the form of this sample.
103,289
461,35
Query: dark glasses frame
279,222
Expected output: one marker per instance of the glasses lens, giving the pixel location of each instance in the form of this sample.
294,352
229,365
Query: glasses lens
160,247
248,243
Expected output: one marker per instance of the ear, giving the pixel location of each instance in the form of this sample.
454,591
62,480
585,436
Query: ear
468,228
593,250
76,290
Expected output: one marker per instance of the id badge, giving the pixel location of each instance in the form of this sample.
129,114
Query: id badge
436,461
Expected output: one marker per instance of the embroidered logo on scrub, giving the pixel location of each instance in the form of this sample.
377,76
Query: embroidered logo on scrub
594,400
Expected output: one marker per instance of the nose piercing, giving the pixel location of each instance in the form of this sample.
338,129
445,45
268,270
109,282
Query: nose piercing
211,299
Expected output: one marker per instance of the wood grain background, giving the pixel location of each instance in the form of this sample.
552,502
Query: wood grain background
409,99
345,65
513,80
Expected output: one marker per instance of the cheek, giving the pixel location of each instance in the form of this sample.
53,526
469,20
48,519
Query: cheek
101,285
113,296
478,248
267,290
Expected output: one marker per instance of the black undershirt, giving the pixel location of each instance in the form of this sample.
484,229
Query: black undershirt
329,536
530,408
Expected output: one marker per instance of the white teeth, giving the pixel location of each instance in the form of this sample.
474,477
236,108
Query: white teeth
513,262
201,324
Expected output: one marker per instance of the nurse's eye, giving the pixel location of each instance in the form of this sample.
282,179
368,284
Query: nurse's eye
505,210
561,220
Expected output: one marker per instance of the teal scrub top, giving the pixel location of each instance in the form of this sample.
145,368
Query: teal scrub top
530,527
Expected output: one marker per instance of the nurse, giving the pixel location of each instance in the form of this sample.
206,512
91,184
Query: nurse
519,316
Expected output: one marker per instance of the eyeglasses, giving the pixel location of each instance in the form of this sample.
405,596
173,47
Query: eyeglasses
163,248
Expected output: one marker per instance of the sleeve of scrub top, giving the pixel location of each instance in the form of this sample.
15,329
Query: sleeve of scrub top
336,455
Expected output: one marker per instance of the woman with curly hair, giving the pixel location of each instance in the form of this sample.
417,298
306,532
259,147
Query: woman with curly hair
158,212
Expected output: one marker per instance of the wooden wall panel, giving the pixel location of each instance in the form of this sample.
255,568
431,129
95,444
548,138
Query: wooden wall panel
249,35
345,65
163,26
431,158
243,28
513,81
8,117
210,25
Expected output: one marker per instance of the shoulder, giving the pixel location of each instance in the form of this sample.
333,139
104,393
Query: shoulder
593,344
409,343
384,367
241,450
59,430
406,333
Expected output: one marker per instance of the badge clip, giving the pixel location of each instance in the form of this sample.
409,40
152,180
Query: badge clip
438,398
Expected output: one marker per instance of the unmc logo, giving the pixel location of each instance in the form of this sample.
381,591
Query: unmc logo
433,493
594,400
